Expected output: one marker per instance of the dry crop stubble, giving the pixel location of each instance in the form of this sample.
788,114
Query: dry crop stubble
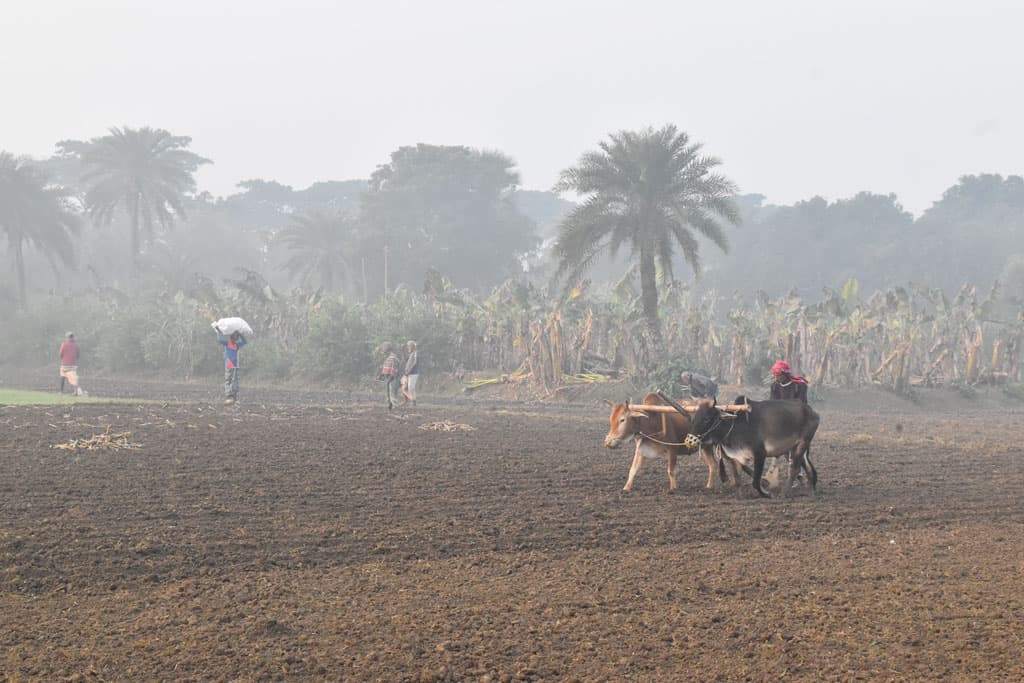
341,542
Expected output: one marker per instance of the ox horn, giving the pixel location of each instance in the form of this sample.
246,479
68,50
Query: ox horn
629,401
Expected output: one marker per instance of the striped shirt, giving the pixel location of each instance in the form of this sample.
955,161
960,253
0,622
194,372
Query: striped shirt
390,368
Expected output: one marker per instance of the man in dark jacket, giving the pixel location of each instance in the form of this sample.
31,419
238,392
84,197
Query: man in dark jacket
700,386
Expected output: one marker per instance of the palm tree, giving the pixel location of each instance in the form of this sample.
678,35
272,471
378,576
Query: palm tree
319,242
650,189
148,171
34,212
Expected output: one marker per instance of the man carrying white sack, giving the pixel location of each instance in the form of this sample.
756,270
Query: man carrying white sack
230,336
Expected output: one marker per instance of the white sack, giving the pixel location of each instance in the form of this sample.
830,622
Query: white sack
228,326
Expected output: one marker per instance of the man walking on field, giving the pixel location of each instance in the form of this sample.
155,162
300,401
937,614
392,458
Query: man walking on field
412,374
69,364
389,373
231,345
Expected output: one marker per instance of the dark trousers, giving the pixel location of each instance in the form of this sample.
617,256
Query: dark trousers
391,387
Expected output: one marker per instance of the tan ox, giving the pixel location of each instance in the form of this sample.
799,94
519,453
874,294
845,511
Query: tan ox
657,435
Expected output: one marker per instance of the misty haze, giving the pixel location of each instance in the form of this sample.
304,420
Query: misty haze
309,314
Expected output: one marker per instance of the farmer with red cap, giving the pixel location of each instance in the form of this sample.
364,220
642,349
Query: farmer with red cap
786,384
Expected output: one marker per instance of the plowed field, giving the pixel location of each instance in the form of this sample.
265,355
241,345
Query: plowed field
277,542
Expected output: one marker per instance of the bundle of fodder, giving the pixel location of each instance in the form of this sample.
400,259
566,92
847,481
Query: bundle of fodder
228,326
447,426
104,441
514,378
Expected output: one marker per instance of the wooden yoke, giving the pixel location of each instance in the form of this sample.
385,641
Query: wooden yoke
689,408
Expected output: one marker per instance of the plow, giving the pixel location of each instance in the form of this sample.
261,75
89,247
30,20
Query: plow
685,407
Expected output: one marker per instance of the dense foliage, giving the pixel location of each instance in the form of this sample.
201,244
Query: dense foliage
898,338
470,258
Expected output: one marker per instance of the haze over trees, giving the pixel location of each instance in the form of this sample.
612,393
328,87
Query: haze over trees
650,190
146,172
643,259
320,243
34,213
463,213
816,243
973,233
447,208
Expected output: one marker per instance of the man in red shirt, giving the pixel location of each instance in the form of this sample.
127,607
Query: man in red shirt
69,364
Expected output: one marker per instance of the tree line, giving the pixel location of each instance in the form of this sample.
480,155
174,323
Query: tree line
448,229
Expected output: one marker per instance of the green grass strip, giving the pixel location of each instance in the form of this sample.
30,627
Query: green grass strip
19,397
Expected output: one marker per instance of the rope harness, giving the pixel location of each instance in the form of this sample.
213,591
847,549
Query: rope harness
664,430
700,437
718,447
656,440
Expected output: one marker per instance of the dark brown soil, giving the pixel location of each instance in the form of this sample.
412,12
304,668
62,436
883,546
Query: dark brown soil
276,542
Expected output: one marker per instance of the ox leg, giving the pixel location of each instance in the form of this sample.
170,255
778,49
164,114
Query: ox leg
795,467
709,460
735,472
808,467
759,458
638,460
671,471
800,465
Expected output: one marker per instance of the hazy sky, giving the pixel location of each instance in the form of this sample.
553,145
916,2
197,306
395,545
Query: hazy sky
797,98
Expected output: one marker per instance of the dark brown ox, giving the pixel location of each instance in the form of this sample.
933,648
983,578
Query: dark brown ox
769,429
657,435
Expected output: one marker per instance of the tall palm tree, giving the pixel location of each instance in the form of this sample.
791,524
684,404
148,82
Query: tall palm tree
146,170
320,242
650,189
36,213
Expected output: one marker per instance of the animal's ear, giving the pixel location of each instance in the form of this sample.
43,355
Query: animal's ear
638,413
609,403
